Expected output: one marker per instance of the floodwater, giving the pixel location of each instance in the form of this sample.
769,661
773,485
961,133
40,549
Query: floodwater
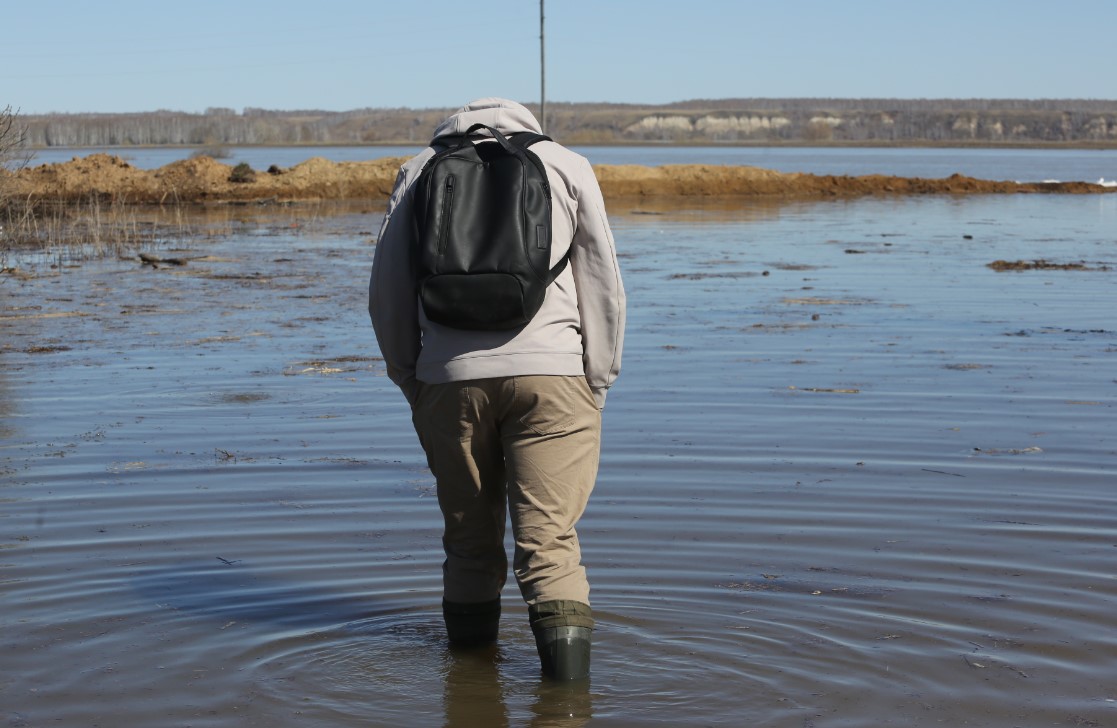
1021,165
851,477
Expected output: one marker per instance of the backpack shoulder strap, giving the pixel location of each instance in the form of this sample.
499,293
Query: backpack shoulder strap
524,139
559,268
449,141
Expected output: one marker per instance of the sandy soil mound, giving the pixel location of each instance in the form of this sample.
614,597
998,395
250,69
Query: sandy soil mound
203,179
81,177
105,177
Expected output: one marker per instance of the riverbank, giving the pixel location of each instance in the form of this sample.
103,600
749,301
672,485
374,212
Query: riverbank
109,178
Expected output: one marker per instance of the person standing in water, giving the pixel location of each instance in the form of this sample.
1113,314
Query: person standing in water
510,420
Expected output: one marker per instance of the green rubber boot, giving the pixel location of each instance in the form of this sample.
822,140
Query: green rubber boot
564,652
471,624
563,635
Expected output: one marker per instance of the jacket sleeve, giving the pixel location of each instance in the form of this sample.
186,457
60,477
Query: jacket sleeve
597,279
392,300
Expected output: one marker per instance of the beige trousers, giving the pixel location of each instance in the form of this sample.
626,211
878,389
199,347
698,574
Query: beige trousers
527,446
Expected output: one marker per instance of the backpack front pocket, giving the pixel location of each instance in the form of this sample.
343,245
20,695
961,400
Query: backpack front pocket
485,301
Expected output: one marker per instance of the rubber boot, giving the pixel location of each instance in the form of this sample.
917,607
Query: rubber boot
564,652
563,634
471,624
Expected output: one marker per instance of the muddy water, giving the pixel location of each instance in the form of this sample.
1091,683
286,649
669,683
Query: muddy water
851,477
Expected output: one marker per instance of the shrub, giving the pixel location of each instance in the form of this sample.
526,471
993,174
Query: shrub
243,173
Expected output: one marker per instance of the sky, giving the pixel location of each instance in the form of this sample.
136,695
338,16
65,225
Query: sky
126,55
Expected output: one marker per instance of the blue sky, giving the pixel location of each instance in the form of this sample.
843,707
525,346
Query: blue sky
138,56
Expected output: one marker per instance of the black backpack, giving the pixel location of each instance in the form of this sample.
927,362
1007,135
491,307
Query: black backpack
482,215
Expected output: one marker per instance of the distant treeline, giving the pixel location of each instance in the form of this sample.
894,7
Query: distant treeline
745,121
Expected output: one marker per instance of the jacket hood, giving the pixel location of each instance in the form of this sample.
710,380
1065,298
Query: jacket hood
503,115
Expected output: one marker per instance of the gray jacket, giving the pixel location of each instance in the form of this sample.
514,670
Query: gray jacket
578,331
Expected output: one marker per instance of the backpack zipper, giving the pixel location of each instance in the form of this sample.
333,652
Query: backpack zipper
447,205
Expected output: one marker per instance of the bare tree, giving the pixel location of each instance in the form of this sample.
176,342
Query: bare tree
12,154
715,121
12,158
12,137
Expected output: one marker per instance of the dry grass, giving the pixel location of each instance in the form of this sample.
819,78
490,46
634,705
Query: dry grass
96,227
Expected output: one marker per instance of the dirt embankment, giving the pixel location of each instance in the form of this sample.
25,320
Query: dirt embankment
203,179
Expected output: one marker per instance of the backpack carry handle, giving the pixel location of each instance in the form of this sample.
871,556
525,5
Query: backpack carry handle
518,139
496,135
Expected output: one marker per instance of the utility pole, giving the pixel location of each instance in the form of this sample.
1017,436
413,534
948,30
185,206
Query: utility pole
542,74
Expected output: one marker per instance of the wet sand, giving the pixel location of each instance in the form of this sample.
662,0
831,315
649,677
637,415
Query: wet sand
852,476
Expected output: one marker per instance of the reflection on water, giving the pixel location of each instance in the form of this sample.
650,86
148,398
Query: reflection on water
6,406
698,211
851,476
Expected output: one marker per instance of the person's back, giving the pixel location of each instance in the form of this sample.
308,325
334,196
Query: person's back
510,420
